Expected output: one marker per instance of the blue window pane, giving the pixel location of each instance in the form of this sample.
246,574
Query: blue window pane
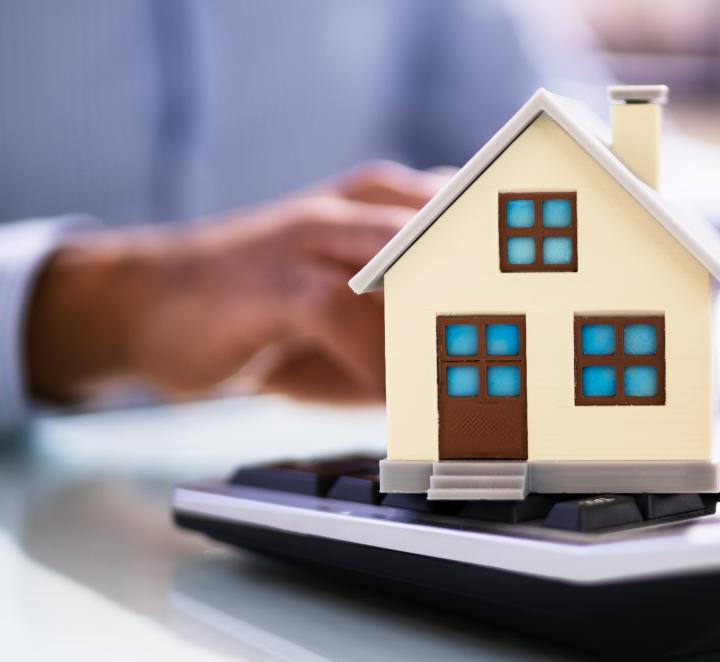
521,250
556,213
461,339
599,381
640,339
463,381
641,381
557,250
503,381
502,339
520,213
598,339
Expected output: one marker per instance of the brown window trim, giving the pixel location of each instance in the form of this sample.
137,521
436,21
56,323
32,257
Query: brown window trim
538,231
619,360
481,360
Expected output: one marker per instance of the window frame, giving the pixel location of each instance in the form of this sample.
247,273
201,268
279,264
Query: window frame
482,360
538,232
619,360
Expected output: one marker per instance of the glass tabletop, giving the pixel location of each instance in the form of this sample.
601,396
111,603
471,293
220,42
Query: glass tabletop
92,566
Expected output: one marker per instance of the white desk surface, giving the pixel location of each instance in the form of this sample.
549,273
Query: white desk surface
91,567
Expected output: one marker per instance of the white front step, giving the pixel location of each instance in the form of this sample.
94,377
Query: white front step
479,468
479,480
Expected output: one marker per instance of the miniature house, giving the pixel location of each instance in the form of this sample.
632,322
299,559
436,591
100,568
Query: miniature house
549,317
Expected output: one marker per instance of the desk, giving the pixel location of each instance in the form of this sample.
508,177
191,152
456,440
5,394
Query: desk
91,567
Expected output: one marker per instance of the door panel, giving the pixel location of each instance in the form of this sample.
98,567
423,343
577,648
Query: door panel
482,399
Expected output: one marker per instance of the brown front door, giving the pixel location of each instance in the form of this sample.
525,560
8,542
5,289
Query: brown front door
482,395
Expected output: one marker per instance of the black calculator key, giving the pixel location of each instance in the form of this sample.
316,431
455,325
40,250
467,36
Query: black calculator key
420,502
593,513
653,506
313,478
362,488
408,501
534,506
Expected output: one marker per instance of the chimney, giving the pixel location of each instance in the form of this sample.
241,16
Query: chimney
635,116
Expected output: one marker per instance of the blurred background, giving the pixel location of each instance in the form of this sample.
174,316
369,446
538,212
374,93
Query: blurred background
677,43
638,42
155,110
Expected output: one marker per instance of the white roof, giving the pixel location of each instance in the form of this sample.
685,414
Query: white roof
593,135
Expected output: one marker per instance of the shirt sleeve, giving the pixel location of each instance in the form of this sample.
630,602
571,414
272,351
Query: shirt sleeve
24,247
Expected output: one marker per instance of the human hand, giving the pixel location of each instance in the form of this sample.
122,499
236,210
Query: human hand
187,309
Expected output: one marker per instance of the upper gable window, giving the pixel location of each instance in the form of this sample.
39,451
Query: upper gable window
538,232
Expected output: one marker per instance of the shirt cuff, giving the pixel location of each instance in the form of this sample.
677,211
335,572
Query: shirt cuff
24,248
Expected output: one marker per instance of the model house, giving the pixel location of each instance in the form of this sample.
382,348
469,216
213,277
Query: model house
549,317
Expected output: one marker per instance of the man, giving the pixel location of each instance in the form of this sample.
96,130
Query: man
146,111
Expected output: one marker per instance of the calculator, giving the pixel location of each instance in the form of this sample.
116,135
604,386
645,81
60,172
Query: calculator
634,576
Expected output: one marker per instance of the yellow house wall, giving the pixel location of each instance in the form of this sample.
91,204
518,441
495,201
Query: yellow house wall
628,264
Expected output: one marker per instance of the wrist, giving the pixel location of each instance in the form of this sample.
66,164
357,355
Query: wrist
87,303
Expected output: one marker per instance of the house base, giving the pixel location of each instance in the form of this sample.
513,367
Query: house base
511,480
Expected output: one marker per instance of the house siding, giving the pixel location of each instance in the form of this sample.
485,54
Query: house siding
628,264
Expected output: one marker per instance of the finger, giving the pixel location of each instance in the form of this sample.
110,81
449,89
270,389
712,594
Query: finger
444,170
307,373
353,232
348,328
389,183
